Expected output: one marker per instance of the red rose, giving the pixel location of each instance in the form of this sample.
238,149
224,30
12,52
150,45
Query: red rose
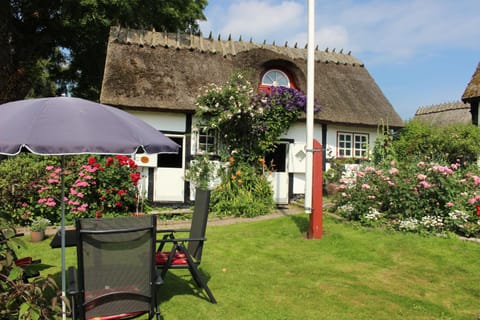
91,160
135,177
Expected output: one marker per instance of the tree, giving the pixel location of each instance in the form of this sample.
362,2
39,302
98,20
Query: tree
87,24
64,42
27,41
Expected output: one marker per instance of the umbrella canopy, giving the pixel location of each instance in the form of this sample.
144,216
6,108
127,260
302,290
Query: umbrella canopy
69,126
63,126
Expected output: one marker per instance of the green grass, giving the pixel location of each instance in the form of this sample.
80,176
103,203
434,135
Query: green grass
268,270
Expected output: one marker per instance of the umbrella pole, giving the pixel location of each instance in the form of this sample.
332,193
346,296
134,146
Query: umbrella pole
62,233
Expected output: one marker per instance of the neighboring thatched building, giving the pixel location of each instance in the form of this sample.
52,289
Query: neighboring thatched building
158,76
472,95
445,114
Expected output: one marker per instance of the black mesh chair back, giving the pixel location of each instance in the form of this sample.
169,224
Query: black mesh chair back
187,252
116,268
199,223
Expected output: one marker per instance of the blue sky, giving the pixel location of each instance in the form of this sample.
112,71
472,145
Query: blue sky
420,52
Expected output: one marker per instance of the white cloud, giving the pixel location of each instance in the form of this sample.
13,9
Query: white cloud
391,31
334,36
258,19
398,30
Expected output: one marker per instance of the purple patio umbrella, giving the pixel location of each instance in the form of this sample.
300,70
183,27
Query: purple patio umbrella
64,126
72,126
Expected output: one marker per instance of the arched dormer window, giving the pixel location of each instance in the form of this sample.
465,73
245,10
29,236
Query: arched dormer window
275,78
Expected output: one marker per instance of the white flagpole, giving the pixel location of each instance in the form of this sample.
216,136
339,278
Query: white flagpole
62,233
310,106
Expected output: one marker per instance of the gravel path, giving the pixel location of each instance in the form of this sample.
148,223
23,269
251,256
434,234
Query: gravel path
279,212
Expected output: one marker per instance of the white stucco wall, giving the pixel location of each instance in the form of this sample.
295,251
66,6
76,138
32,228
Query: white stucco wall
298,133
175,122
331,144
297,153
163,121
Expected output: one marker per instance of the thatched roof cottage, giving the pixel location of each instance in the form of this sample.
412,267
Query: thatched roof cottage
157,76
472,95
445,114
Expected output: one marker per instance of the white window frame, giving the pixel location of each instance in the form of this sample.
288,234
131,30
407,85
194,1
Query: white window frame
206,141
271,77
352,145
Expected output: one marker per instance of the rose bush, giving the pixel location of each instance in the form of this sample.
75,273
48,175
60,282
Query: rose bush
249,125
99,185
425,197
105,185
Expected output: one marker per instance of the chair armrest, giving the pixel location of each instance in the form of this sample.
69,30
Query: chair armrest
72,281
179,240
158,279
172,230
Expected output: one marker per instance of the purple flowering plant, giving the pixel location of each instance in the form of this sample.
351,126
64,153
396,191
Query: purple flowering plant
249,124
248,121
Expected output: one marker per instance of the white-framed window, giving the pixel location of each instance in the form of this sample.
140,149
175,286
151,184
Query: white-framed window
275,78
352,145
206,141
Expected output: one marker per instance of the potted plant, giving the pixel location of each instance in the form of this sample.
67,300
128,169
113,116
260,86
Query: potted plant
37,229
201,172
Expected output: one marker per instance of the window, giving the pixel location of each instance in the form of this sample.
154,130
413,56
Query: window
352,145
206,141
276,160
172,160
275,78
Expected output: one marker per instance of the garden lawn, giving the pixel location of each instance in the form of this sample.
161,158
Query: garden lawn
268,270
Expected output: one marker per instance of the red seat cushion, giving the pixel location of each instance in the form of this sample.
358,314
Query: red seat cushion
94,294
118,316
23,262
178,259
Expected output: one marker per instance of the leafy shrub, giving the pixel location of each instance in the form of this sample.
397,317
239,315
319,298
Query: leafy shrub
31,187
35,299
18,176
249,123
425,197
202,172
418,140
104,185
243,192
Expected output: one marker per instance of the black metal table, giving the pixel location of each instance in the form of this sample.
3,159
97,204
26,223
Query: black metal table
70,239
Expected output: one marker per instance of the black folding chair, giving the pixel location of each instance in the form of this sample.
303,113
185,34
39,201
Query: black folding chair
116,276
186,253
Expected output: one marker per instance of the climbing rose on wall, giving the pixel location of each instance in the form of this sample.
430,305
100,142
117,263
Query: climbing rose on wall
247,121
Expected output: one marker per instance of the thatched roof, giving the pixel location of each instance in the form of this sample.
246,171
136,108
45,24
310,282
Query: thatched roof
153,70
444,114
472,92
